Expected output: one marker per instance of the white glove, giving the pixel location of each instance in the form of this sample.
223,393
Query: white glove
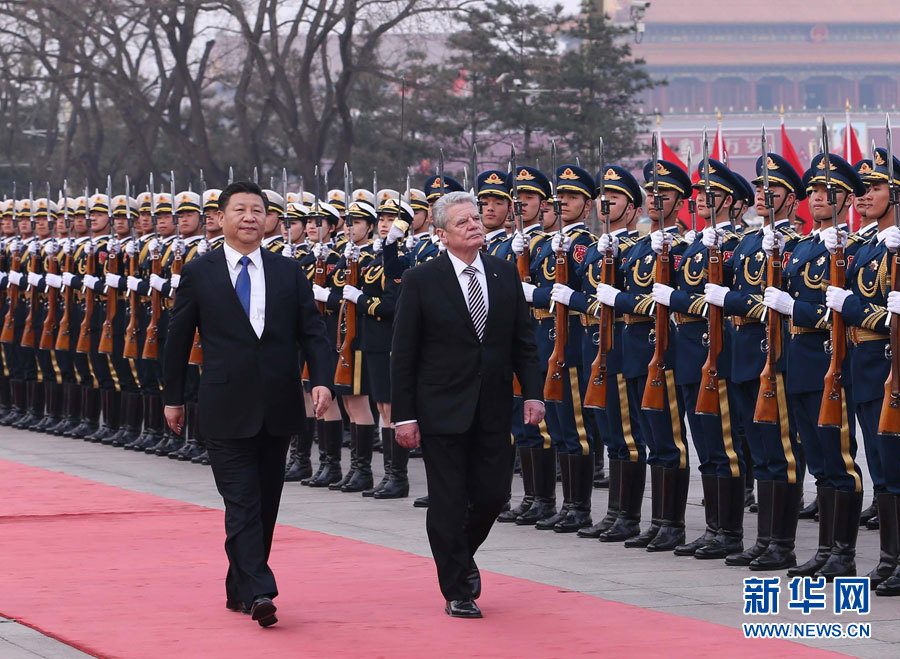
660,238
715,294
68,246
53,281
67,278
893,302
892,238
690,237
772,240
52,248
833,238
157,282
606,241
89,281
396,233
176,279
15,277
131,249
34,247
202,247
835,298
352,293
518,243
132,283
713,237
377,245
16,245
320,293
561,294
778,300
662,294
528,291
607,294
113,246
153,246
320,251
178,245
113,280
89,247
560,243
287,250
435,240
351,252
411,243
34,279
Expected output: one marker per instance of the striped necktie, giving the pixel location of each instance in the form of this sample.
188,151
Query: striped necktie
476,302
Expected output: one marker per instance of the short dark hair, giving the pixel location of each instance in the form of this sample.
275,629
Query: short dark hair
241,186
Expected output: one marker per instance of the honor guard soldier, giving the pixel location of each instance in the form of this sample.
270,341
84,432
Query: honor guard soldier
661,427
419,245
7,236
494,207
773,446
214,234
273,240
337,199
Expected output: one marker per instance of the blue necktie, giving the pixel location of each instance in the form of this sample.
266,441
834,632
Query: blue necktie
242,285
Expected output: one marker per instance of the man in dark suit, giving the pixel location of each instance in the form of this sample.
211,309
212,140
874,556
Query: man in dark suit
461,331
253,308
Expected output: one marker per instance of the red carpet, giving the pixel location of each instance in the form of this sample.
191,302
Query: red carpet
117,573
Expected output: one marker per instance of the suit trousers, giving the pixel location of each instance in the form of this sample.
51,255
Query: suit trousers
468,484
249,475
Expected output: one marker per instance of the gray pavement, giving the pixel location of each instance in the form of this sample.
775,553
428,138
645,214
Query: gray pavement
705,590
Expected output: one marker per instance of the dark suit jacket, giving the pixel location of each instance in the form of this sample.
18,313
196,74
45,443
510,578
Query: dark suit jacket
246,383
441,375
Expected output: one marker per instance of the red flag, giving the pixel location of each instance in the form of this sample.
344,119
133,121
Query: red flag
789,154
852,154
684,215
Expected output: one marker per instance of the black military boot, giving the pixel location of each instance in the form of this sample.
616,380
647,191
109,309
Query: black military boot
548,523
890,587
656,499
154,423
764,491
825,505
90,413
351,443
889,538
112,415
130,430
299,465
141,442
34,403
581,484
676,483
842,560
711,511
397,486
323,457
5,396
190,447
105,429
869,513
627,524
779,555
17,406
386,437
526,458
333,432
53,412
730,493
601,480
362,475
543,466
72,416
612,506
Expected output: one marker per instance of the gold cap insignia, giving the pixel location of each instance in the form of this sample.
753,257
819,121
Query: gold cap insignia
493,179
865,168
662,171
879,159
711,169
43,204
611,175
770,164
525,175
569,175
831,165
437,184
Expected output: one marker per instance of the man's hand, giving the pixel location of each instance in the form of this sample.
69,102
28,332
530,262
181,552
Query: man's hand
534,412
175,417
321,399
408,435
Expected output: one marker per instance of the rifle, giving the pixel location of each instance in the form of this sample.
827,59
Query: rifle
654,390
34,265
84,333
345,371
767,399
553,385
595,396
523,260
320,273
708,397
112,294
131,350
196,356
51,320
151,342
64,336
889,421
9,327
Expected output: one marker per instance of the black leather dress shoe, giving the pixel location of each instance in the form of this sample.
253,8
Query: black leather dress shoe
421,502
462,609
237,606
263,611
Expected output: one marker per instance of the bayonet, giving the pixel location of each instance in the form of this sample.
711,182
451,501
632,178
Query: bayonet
767,193
284,213
230,175
514,173
893,189
604,202
657,198
255,175
829,186
441,170
710,196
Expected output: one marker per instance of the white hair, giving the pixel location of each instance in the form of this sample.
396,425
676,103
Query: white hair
440,213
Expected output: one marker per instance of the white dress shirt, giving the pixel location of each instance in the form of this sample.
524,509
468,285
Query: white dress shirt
459,266
257,283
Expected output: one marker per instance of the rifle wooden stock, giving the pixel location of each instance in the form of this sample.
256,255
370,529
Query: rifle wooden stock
151,342
106,334
28,339
595,396
553,385
64,336
131,349
344,372
708,398
654,397
84,334
767,400
8,334
831,410
889,421
523,262
196,357
319,276
51,320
